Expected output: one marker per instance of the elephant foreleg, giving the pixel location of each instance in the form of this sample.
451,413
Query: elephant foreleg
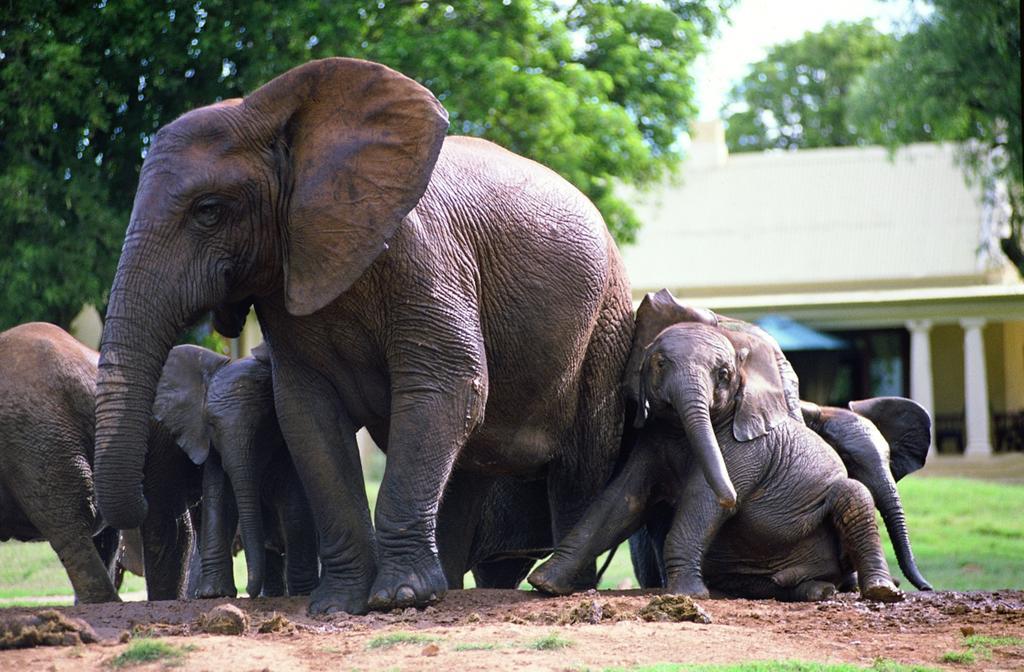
299,533
321,439
697,519
616,514
428,429
219,521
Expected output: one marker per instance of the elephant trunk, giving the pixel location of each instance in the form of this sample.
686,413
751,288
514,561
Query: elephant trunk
887,499
250,523
693,410
137,336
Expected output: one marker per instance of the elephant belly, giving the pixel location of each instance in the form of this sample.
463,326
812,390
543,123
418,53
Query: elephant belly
14,524
501,449
785,560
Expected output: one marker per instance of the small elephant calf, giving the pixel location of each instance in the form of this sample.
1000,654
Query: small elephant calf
221,413
763,506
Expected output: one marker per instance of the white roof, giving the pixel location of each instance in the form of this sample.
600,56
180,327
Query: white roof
811,220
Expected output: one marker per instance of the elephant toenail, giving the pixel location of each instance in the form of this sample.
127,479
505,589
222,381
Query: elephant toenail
405,594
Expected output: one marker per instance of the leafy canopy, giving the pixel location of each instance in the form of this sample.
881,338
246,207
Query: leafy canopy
797,96
956,75
598,90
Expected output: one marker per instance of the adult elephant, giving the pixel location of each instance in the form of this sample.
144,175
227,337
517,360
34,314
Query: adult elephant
461,302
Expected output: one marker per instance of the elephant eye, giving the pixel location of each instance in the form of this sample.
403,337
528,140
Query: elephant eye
724,374
208,213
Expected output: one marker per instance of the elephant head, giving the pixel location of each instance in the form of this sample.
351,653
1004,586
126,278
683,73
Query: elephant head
707,376
660,310
880,441
290,193
209,402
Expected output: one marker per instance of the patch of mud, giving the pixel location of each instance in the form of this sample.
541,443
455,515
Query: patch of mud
44,628
498,629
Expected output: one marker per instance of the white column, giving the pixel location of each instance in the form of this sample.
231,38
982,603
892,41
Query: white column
976,411
921,385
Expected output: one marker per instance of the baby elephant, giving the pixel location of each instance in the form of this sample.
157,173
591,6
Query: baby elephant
47,425
221,412
763,506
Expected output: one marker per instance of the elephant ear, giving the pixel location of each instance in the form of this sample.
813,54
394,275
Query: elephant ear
360,141
762,402
180,404
261,353
906,426
658,311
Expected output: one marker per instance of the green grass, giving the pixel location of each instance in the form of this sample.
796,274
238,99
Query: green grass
979,646
964,534
396,638
987,642
142,651
551,642
958,657
475,646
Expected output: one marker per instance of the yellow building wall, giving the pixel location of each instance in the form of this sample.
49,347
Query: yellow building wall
995,368
948,368
1004,364
1013,365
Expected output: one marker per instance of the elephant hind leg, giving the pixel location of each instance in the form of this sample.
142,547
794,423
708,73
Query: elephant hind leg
853,514
587,462
89,576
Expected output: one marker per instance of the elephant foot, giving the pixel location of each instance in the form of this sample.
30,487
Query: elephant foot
881,589
692,586
208,589
814,591
400,584
97,597
333,596
553,579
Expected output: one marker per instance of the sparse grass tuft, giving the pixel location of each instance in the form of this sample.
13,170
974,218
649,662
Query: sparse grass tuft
958,657
987,642
141,651
396,638
550,642
475,646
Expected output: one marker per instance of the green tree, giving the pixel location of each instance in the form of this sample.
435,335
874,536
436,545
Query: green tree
797,96
598,90
956,75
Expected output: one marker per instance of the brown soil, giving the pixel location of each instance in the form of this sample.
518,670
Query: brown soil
498,629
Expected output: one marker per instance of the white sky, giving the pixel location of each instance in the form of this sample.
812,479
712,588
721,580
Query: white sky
759,24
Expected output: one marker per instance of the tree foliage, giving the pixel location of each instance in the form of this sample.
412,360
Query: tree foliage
797,96
598,90
956,75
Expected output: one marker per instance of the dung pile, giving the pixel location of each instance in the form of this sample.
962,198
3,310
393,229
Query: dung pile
46,628
663,608
224,619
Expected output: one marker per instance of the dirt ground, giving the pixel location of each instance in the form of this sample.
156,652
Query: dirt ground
499,629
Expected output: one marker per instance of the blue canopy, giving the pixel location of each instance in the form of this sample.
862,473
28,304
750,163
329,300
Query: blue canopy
792,335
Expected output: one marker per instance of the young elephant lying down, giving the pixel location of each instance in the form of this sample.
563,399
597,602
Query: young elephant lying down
763,505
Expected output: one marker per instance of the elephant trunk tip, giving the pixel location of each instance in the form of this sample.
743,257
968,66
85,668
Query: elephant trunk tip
122,514
254,586
727,500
